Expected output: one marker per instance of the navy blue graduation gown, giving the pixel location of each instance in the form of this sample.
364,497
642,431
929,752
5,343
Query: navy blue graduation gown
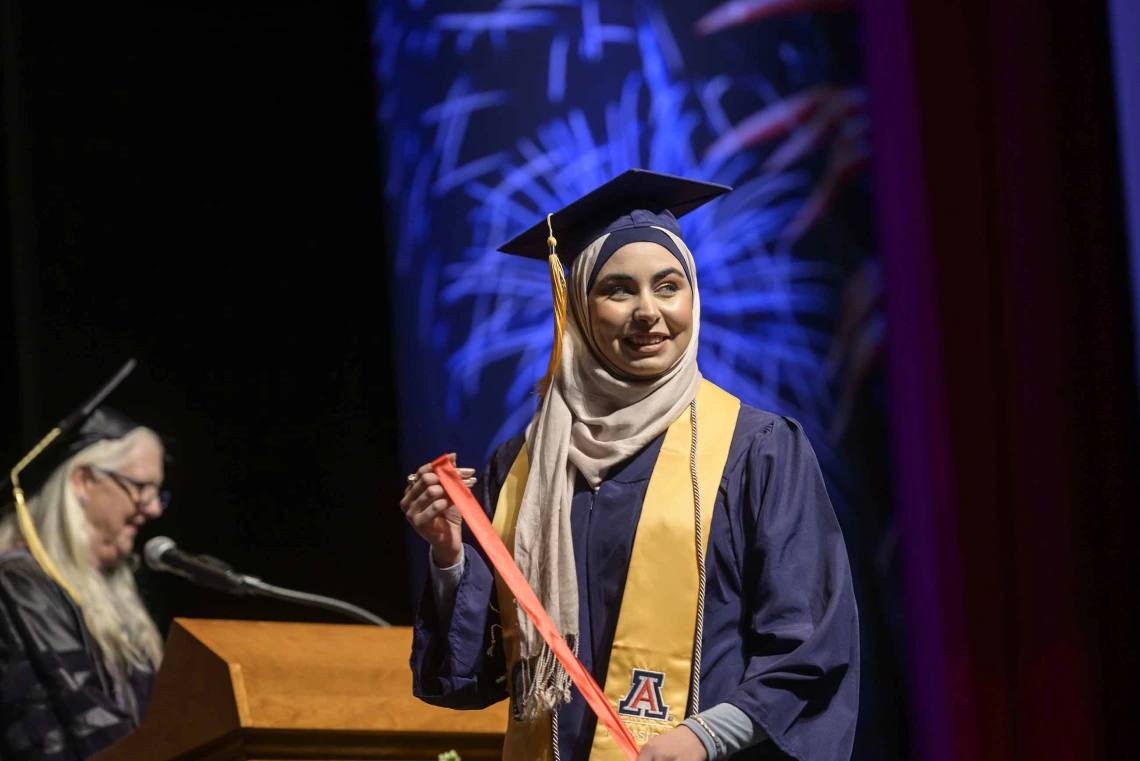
781,631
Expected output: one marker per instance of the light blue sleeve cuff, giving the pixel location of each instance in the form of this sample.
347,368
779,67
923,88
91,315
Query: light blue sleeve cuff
724,729
444,585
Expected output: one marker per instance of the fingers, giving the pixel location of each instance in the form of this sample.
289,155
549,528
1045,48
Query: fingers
426,470
414,491
424,492
428,514
424,476
421,494
426,499
422,519
428,478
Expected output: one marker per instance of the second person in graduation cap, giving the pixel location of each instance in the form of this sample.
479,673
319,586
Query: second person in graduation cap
682,542
78,650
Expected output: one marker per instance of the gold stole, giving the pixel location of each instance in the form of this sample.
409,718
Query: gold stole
651,661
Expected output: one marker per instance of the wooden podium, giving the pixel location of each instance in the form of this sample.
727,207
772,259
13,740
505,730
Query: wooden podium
238,690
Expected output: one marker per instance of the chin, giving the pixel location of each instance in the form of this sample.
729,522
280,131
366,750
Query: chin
648,370
123,550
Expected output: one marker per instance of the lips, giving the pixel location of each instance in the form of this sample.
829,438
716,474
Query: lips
645,343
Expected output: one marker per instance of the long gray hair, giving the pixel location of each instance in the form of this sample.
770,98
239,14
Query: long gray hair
109,598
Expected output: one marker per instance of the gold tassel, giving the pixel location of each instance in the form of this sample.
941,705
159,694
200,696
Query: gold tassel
27,527
558,291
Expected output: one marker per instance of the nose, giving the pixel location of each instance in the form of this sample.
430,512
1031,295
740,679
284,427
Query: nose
646,309
152,509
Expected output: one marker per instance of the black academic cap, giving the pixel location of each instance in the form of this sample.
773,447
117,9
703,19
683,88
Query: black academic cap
635,198
90,422
104,423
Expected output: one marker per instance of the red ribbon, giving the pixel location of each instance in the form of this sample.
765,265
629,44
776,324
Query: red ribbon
505,564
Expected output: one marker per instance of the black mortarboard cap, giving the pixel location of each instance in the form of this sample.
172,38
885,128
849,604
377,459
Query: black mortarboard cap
635,198
104,423
90,422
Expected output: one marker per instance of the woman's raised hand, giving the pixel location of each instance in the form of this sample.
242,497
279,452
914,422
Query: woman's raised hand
433,515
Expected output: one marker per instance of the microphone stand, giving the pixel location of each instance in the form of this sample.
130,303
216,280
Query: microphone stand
256,586
244,584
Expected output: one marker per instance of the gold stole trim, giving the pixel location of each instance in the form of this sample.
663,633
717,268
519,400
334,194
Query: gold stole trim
654,636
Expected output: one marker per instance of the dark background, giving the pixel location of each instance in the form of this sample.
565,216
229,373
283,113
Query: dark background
197,185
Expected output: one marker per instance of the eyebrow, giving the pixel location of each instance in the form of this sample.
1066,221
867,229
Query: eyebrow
619,277
613,278
666,272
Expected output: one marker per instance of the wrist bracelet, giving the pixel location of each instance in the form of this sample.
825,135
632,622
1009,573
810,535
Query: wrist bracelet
716,740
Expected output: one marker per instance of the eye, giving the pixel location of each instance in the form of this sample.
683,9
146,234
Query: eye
618,290
668,288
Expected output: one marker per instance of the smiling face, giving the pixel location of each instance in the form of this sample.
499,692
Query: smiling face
641,310
115,505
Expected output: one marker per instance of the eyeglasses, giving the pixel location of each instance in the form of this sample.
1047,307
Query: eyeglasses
144,492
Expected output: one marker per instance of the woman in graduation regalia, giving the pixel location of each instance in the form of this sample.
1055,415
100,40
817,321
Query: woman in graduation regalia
78,651
682,542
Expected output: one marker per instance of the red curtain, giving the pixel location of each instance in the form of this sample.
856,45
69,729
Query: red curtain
1012,382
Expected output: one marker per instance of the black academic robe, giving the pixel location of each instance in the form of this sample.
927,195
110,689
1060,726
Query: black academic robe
57,700
781,629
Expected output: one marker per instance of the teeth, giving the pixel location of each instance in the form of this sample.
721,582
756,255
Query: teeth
646,340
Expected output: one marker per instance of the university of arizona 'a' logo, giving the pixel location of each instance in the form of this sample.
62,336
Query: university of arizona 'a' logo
644,699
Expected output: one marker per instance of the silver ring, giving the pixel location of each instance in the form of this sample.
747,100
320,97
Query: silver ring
412,478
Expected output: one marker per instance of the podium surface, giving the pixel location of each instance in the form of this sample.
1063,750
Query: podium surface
238,690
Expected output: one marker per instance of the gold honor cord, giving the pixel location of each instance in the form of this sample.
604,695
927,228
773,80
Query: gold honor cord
27,528
558,291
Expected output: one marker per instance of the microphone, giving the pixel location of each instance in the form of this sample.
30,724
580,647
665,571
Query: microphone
162,554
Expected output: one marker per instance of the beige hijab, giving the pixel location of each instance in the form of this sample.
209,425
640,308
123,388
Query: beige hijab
591,419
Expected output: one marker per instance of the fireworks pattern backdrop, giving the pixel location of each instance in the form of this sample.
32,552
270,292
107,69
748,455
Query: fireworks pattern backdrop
492,114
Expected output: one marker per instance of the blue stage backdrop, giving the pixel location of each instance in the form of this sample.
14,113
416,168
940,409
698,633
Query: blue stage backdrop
494,114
